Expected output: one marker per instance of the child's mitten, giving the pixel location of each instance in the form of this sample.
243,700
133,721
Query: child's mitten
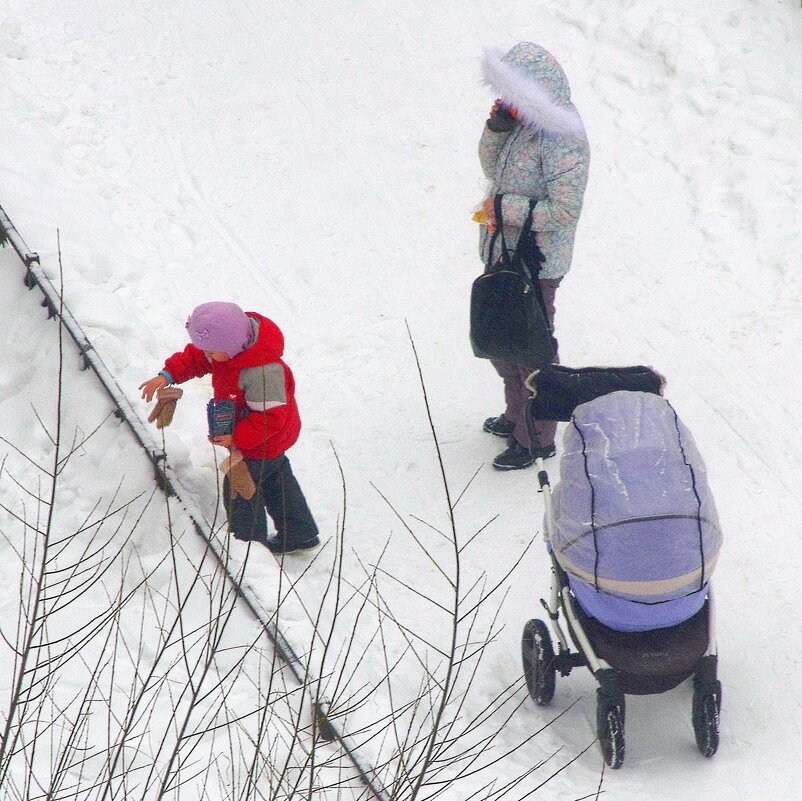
163,411
239,477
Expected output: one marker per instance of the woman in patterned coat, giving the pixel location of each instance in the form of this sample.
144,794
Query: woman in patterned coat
533,148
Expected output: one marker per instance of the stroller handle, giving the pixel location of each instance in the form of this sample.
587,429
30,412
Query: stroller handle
558,390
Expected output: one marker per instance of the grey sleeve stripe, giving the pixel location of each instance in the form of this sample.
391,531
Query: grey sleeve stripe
263,407
264,385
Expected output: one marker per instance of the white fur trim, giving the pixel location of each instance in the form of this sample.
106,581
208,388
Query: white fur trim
532,102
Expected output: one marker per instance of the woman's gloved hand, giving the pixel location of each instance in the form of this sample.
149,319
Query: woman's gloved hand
502,118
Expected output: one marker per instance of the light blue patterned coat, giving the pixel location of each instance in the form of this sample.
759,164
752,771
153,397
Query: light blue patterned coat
545,157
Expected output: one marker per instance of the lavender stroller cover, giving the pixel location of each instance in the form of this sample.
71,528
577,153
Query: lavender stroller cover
634,523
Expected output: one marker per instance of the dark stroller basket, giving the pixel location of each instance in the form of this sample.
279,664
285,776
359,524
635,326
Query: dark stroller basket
644,661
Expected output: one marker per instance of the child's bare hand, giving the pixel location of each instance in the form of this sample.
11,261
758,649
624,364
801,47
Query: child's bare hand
488,207
225,440
151,386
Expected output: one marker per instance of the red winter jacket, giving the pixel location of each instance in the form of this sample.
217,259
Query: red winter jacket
260,384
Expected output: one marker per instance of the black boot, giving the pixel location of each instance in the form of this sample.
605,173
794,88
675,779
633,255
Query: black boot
279,545
516,457
500,426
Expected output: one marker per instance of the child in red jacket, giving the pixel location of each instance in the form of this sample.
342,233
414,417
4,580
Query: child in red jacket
243,352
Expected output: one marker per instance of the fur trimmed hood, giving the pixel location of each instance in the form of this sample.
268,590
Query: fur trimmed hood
530,80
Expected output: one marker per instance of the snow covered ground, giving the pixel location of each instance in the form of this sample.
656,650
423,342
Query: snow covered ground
318,164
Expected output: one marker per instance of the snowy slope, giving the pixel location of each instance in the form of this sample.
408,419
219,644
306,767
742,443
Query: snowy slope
319,165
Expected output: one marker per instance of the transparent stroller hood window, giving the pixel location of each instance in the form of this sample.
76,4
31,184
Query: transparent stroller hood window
634,517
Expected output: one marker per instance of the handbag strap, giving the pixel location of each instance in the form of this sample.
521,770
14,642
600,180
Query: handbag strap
518,261
499,229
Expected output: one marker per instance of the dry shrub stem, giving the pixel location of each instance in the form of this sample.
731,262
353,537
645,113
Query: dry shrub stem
166,688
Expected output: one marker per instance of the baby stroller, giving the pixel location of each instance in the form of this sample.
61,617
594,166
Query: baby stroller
633,536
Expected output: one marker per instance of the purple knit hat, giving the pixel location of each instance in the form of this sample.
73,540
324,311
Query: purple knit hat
221,327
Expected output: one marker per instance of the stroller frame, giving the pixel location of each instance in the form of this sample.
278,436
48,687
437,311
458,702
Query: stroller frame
541,663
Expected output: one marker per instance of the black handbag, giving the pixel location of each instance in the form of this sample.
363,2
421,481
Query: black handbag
508,314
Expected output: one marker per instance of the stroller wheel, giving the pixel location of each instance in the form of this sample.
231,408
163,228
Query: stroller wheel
610,728
538,658
705,716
